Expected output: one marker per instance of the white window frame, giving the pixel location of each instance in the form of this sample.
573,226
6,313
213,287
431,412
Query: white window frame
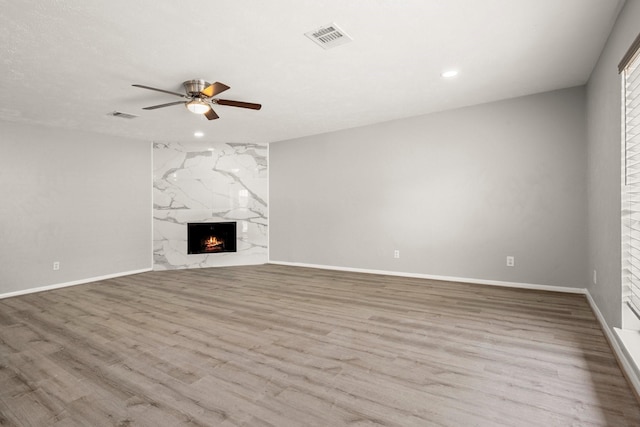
629,69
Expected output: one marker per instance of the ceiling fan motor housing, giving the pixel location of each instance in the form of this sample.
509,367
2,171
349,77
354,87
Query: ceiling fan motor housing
195,87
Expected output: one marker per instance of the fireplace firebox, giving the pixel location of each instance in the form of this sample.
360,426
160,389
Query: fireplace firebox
211,237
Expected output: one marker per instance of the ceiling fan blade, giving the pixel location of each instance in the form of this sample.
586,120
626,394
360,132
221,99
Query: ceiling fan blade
162,90
214,88
163,105
231,103
211,115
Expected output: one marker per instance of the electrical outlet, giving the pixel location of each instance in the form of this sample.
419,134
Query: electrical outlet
511,261
56,265
396,253
595,276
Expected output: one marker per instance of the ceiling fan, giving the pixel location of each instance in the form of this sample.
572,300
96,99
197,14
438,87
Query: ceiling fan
200,98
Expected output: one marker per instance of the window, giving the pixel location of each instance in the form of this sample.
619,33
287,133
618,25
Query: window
629,69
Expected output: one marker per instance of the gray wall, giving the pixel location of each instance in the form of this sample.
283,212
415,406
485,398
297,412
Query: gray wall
82,199
455,192
604,160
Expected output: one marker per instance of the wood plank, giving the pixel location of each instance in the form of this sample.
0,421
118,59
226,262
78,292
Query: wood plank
277,345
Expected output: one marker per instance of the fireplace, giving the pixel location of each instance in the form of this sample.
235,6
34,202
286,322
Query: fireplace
211,237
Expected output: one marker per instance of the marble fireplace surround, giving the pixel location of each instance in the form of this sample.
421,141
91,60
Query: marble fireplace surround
209,182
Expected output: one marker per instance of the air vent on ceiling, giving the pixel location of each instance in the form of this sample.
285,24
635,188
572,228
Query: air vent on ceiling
122,115
329,36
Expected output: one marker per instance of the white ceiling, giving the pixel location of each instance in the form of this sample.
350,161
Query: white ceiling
68,63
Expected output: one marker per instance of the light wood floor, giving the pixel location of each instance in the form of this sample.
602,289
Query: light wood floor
285,346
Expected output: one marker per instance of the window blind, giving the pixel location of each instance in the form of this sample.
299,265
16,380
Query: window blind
631,178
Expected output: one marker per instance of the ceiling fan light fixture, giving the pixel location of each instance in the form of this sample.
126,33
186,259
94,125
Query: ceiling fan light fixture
197,106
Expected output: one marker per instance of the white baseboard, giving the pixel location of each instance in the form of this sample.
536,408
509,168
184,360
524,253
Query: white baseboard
73,283
534,286
626,364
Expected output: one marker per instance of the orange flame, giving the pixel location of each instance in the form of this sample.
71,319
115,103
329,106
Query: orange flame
213,243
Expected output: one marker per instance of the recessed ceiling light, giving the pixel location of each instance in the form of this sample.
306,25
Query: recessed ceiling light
198,134
449,74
